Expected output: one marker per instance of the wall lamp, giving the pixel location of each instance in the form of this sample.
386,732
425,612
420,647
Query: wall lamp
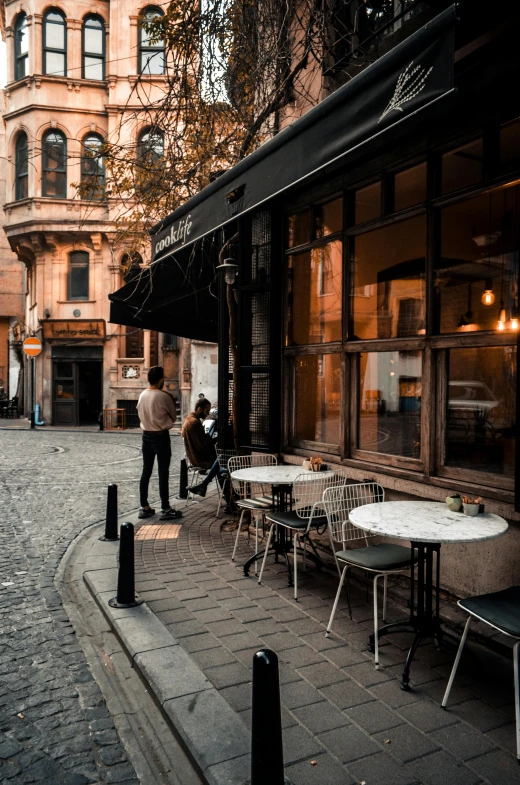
230,270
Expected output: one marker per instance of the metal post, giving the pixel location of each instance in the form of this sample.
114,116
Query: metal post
183,480
126,596
33,391
111,516
266,733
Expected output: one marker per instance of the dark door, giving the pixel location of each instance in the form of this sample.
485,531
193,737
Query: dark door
88,376
65,402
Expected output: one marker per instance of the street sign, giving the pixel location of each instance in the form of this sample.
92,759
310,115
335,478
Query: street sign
32,347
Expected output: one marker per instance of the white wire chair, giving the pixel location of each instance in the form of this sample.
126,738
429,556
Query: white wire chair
307,513
223,458
382,559
197,475
250,496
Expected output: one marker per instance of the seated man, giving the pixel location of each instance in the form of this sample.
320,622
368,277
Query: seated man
200,449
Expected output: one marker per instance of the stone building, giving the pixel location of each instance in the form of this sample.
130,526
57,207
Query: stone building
71,71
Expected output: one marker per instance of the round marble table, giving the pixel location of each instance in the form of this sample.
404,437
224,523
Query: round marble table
281,478
426,525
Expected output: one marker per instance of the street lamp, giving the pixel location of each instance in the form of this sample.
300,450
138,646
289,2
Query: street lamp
230,270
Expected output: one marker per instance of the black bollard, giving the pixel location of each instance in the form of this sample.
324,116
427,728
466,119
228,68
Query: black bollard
126,596
111,518
266,733
33,420
183,480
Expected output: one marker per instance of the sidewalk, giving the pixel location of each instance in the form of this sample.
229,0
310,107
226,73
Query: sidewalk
344,722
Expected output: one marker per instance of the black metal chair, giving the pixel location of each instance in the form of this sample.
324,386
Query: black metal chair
501,610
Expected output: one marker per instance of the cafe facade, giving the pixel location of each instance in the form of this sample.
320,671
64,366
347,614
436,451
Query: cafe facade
376,243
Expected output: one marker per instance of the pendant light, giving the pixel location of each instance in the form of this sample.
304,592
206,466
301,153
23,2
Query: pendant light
488,298
502,313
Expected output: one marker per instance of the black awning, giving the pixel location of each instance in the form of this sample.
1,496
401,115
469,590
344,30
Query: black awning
178,297
406,80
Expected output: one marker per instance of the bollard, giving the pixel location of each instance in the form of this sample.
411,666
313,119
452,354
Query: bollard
126,596
183,480
33,420
266,733
111,517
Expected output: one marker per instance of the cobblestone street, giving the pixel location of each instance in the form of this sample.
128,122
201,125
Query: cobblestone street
54,724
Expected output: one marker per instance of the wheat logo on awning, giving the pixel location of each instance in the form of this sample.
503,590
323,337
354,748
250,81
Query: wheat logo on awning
410,83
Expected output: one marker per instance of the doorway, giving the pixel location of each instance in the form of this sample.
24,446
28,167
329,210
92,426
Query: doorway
77,392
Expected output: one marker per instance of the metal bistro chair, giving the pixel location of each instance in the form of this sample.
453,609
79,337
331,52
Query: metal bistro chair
307,513
250,496
383,559
223,457
195,475
501,610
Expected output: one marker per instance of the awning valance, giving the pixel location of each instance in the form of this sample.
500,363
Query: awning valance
406,80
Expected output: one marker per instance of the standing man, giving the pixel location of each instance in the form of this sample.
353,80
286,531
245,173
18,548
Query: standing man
157,415
200,449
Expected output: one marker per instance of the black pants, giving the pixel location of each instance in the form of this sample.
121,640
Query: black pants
156,444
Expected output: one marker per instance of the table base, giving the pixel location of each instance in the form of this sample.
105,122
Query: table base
424,619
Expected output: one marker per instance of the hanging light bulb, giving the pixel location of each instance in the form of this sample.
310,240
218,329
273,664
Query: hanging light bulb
488,298
514,319
501,326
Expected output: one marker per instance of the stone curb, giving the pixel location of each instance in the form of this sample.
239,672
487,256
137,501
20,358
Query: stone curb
214,736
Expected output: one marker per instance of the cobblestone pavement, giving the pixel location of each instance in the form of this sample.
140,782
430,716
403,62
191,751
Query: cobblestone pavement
344,722
54,724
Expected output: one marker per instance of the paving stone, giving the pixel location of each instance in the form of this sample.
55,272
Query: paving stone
298,745
366,674
228,675
250,614
299,693
211,657
383,770
497,767
222,628
407,743
426,716
242,641
321,674
373,717
320,717
389,693
281,640
200,642
440,768
346,694
239,696
323,769
348,743
343,656
463,741
300,656
479,714
212,614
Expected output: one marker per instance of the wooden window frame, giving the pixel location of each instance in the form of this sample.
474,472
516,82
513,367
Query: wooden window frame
102,57
21,177
70,267
45,168
143,48
51,49
21,59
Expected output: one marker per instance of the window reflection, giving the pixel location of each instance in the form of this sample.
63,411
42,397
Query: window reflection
299,229
481,420
389,281
329,218
462,167
367,203
314,295
390,395
318,386
410,187
479,247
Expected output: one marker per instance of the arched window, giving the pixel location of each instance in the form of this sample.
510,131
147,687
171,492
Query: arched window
21,167
21,47
93,48
93,167
77,288
54,43
152,58
150,145
54,164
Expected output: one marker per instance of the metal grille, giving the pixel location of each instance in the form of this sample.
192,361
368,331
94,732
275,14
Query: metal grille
130,408
257,328
261,247
257,392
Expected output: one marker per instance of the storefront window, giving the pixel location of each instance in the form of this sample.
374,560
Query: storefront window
367,203
314,295
480,418
299,229
410,187
510,146
463,167
64,389
389,281
479,254
390,396
317,399
329,218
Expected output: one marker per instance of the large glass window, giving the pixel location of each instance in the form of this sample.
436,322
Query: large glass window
510,146
150,145
389,292
78,276
54,164
390,398
481,409
299,229
367,203
476,276
54,43
93,48
92,167
22,167
314,295
21,47
152,53
317,398
410,187
463,167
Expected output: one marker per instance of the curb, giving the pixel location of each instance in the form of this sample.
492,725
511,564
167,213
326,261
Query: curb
213,735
